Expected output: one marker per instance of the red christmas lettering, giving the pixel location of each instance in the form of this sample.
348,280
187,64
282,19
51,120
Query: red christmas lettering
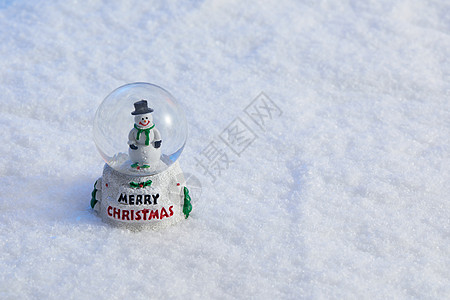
164,213
125,214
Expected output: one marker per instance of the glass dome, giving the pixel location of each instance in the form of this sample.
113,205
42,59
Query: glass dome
114,125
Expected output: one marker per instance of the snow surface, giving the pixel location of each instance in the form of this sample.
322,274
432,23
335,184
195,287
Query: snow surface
345,195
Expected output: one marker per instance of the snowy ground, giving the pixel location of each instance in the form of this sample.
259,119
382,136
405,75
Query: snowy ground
343,195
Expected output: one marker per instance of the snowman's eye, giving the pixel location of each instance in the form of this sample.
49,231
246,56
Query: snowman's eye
142,119
146,118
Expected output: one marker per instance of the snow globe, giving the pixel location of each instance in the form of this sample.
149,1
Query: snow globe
140,131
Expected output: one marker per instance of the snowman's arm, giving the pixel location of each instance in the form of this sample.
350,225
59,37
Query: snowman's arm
157,135
156,138
132,137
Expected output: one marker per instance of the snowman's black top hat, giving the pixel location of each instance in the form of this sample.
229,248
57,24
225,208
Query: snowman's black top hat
141,108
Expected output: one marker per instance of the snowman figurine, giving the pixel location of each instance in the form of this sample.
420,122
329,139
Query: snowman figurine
144,139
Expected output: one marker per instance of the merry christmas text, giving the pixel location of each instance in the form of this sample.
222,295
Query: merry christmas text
138,199
138,215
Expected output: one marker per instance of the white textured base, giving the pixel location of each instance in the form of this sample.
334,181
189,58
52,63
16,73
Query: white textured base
122,202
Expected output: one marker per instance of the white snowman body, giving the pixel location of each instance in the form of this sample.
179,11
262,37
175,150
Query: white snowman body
142,138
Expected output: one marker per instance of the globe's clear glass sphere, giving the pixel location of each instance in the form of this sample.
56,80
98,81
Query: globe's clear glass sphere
114,121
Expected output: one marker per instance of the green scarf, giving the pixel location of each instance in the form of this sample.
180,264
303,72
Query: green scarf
147,132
